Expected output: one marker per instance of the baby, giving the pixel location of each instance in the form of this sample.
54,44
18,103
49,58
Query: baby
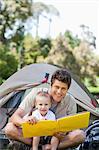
42,112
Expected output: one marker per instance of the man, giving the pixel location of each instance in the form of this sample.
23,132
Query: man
62,104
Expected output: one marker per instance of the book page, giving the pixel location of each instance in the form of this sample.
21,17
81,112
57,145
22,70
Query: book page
80,120
42,128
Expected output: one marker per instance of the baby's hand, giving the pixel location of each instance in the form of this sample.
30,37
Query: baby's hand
31,120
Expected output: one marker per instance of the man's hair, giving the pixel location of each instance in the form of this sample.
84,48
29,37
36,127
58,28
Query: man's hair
61,75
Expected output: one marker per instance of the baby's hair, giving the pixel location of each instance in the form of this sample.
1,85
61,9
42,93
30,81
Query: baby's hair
43,93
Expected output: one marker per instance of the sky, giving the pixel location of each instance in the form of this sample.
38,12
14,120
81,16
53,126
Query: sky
73,13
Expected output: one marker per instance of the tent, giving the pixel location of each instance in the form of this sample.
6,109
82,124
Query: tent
14,88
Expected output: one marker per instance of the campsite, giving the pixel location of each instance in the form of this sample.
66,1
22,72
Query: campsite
13,90
37,37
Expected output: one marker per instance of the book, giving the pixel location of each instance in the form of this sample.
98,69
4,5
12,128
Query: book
49,127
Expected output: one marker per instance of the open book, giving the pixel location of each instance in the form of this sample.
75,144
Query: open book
48,127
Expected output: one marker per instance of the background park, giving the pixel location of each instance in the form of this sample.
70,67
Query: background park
21,44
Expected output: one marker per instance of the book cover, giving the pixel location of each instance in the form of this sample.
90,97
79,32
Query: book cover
48,127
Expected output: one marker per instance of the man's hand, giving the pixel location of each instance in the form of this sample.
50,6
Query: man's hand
60,135
31,120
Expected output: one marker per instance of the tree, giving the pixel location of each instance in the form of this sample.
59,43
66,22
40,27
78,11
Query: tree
72,41
45,46
35,48
76,55
8,63
88,36
88,62
18,40
61,55
39,9
13,14
51,11
32,49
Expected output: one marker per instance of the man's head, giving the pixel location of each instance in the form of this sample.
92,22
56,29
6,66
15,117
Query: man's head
61,75
43,102
60,83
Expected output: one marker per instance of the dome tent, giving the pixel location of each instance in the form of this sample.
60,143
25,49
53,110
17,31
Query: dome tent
13,89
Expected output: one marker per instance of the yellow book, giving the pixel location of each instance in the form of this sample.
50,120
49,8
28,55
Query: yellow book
49,127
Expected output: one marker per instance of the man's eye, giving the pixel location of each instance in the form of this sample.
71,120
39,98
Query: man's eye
63,89
56,87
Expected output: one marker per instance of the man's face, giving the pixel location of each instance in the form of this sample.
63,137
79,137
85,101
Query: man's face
58,90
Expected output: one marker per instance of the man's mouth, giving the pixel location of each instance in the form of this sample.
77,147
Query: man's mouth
59,95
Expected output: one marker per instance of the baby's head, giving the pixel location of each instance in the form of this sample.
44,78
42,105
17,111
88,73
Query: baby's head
43,102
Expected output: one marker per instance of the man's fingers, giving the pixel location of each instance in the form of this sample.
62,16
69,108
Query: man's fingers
60,135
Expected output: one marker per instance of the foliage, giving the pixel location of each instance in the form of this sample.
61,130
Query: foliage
88,36
79,59
88,82
31,50
67,50
13,14
87,61
8,63
34,48
72,41
42,42
61,55
93,89
45,46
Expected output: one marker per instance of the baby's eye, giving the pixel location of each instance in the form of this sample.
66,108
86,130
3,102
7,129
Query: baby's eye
46,104
40,104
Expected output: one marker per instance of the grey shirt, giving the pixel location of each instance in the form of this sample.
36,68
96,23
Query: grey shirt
66,107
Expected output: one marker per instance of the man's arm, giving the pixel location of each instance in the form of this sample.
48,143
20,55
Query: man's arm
25,106
17,117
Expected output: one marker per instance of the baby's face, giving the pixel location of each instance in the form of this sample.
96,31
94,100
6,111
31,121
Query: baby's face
43,104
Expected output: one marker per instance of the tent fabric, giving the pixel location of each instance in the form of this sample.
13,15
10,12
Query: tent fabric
9,108
5,98
32,75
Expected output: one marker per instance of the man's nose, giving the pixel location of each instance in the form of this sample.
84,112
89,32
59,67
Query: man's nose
59,90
